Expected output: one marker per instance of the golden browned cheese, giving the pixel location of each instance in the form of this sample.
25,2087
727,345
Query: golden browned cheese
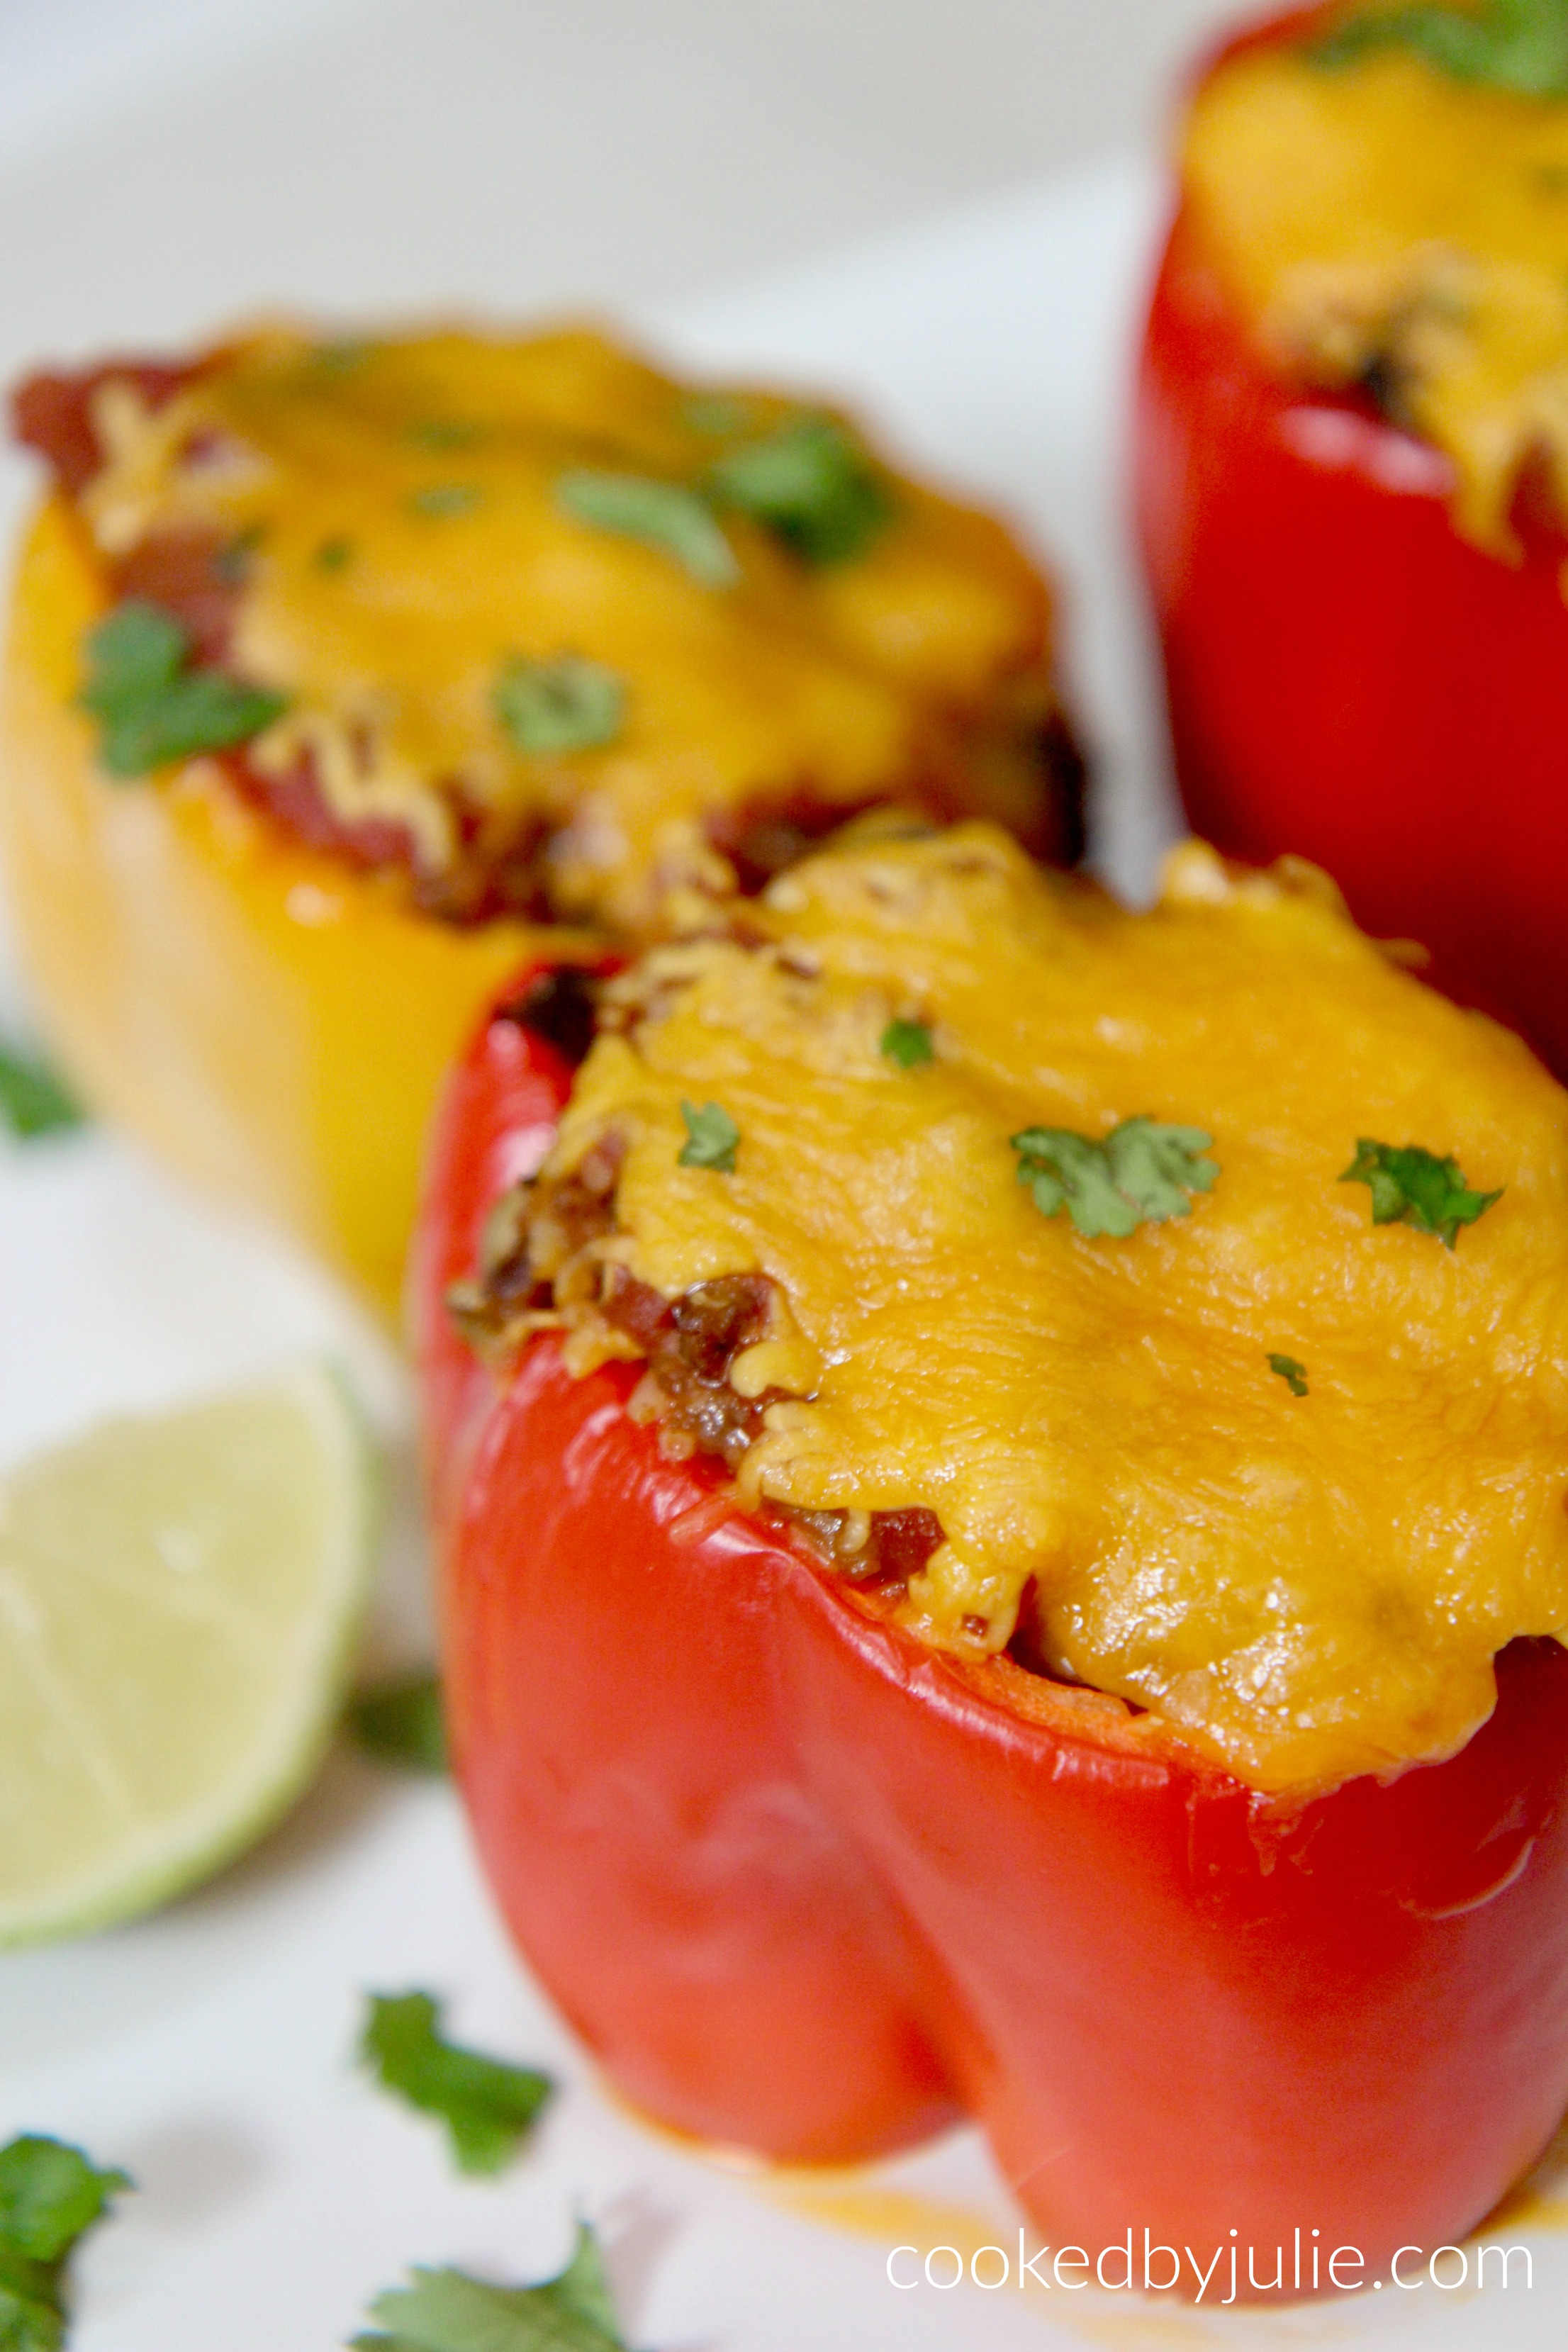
404,515
1382,214
1305,1587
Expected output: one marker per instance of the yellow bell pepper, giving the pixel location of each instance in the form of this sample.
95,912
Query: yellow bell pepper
270,1022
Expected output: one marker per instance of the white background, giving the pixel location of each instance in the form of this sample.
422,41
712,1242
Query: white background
627,147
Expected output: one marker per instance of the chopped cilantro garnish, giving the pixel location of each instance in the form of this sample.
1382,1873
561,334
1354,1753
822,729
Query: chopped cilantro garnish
445,433
51,2195
1514,45
1141,1173
402,1723
712,1137
1412,1186
486,2105
715,412
1293,1374
448,2311
811,484
33,1102
232,562
444,499
908,1043
666,515
151,704
332,554
341,356
565,705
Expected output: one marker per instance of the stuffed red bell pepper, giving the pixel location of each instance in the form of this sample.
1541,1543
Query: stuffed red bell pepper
1353,476
1001,1470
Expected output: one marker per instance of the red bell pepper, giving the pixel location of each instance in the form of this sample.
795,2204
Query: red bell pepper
809,1888
1348,677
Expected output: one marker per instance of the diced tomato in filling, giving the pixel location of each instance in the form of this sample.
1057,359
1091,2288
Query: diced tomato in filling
190,574
53,413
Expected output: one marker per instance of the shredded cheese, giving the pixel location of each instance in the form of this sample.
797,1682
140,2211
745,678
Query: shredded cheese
402,539
1306,1588
1384,213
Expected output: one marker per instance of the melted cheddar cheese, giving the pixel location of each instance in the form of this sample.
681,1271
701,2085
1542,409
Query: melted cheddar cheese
400,535
1304,1587
1381,215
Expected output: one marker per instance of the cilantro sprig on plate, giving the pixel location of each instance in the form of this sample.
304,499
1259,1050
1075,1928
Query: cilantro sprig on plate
1143,1173
153,704
487,2106
50,2196
448,2311
402,1723
33,1101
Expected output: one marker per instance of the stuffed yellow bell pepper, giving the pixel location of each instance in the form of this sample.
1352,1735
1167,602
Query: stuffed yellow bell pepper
341,671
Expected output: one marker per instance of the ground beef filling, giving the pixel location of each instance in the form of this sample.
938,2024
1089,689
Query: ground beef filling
759,838
539,1257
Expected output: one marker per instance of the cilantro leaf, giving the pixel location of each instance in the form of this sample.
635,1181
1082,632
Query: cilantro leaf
1142,1173
486,2105
51,2195
715,414
811,484
1412,1186
1293,1374
447,433
448,2311
340,357
33,1101
444,498
151,704
712,1137
1515,45
233,561
401,1723
30,2318
666,515
565,705
136,649
908,1043
333,554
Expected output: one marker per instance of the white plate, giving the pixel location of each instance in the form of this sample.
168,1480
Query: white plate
208,2050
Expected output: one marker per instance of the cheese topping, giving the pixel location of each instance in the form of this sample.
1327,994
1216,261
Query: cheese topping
403,529
1306,1587
1382,218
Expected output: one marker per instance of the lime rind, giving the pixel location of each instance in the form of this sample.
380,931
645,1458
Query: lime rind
286,1676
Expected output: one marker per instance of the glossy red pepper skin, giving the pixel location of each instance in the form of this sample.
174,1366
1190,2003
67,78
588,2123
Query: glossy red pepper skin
808,1888
1348,678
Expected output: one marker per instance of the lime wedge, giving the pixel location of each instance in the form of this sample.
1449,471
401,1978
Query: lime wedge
178,1602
